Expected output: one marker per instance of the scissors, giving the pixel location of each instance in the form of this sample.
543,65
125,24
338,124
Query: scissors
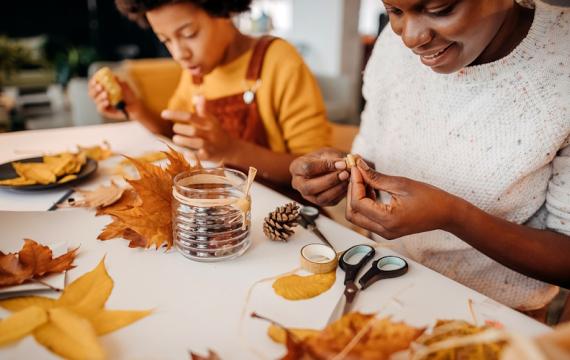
352,261
307,217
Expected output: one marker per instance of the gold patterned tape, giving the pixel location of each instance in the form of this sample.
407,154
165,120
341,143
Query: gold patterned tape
318,258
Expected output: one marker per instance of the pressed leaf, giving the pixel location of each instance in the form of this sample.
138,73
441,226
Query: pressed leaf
295,287
20,303
21,323
32,261
97,152
100,197
106,321
69,335
88,293
211,356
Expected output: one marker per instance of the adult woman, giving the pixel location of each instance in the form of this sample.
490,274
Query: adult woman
258,104
485,121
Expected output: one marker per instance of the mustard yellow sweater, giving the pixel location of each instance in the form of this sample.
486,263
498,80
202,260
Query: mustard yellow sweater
289,99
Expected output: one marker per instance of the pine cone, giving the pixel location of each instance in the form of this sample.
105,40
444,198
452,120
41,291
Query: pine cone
278,225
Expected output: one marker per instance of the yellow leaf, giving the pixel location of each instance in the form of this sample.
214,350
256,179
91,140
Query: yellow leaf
106,321
21,324
295,287
38,172
67,178
69,336
17,304
88,294
18,181
97,152
279,335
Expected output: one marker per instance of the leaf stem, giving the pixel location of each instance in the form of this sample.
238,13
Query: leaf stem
38,281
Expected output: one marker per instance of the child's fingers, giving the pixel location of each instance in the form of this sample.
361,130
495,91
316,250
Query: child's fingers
176,116
193,143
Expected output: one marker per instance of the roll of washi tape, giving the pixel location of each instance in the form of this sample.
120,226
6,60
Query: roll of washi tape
318,258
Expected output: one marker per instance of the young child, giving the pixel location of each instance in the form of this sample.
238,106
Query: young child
246,101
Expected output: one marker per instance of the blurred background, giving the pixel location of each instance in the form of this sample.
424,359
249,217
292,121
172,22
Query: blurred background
48,49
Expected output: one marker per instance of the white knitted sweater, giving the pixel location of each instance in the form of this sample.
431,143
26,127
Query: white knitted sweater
497,135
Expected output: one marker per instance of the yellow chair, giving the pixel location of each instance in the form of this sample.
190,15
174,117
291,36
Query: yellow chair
154,80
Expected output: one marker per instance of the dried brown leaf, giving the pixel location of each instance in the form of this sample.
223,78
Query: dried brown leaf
143,216
32,261
379,338
211,356
100,197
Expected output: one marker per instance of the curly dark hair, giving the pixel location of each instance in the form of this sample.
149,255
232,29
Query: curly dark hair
136,10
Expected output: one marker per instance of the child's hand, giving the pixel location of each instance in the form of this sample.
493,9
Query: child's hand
201,133
414,206
104,107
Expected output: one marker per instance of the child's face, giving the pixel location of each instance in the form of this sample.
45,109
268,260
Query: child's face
195,39
447,35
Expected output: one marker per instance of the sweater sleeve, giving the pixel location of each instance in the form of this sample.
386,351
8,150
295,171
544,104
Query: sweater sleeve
301,112
557,215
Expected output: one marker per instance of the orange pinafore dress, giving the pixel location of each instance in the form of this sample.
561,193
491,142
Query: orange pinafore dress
238,114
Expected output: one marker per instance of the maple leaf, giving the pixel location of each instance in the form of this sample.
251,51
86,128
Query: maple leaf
144,217
68,326
32,262
376,338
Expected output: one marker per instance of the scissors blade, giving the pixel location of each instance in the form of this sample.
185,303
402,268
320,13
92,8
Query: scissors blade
338,310
345,302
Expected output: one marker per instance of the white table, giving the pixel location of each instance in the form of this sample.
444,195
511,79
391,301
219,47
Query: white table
199,305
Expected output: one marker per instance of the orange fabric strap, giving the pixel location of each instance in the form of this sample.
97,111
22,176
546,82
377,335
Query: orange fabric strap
256,62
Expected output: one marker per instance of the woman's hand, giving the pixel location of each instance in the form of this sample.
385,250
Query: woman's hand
203,134
104,107
414,206
321,176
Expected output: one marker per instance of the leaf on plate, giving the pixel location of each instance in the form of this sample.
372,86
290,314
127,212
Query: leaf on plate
451,332
296,287
145,219
60,168
359,336
21,324
32,262
97,152
100,197
69,326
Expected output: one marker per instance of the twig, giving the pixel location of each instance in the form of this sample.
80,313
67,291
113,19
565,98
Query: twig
46,284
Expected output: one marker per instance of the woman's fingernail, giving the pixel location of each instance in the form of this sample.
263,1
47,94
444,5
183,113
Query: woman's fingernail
166,113
343,175
340,165
362,164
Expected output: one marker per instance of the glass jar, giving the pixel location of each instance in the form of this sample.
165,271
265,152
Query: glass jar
211,214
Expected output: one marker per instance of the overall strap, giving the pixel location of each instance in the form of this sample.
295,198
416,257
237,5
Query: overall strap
256,61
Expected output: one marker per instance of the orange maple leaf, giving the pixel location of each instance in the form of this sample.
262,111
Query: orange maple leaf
356,335
143,215
32,262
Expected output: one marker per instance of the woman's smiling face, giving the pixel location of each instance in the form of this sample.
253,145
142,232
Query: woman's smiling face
447,35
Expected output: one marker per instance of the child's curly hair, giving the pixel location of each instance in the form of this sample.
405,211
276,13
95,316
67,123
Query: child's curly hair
136,10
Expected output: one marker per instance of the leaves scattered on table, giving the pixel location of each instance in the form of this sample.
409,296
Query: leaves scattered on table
355,335
97,152
457,339
100,197
144,216
296,287
33,261
68,326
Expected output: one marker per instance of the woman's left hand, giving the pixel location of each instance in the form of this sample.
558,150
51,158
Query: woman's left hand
202,133
414,206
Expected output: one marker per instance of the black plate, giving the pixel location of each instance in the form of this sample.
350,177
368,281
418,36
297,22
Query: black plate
8,172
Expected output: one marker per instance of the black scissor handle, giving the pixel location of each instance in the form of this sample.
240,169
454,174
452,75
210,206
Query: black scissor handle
377,273
351,268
